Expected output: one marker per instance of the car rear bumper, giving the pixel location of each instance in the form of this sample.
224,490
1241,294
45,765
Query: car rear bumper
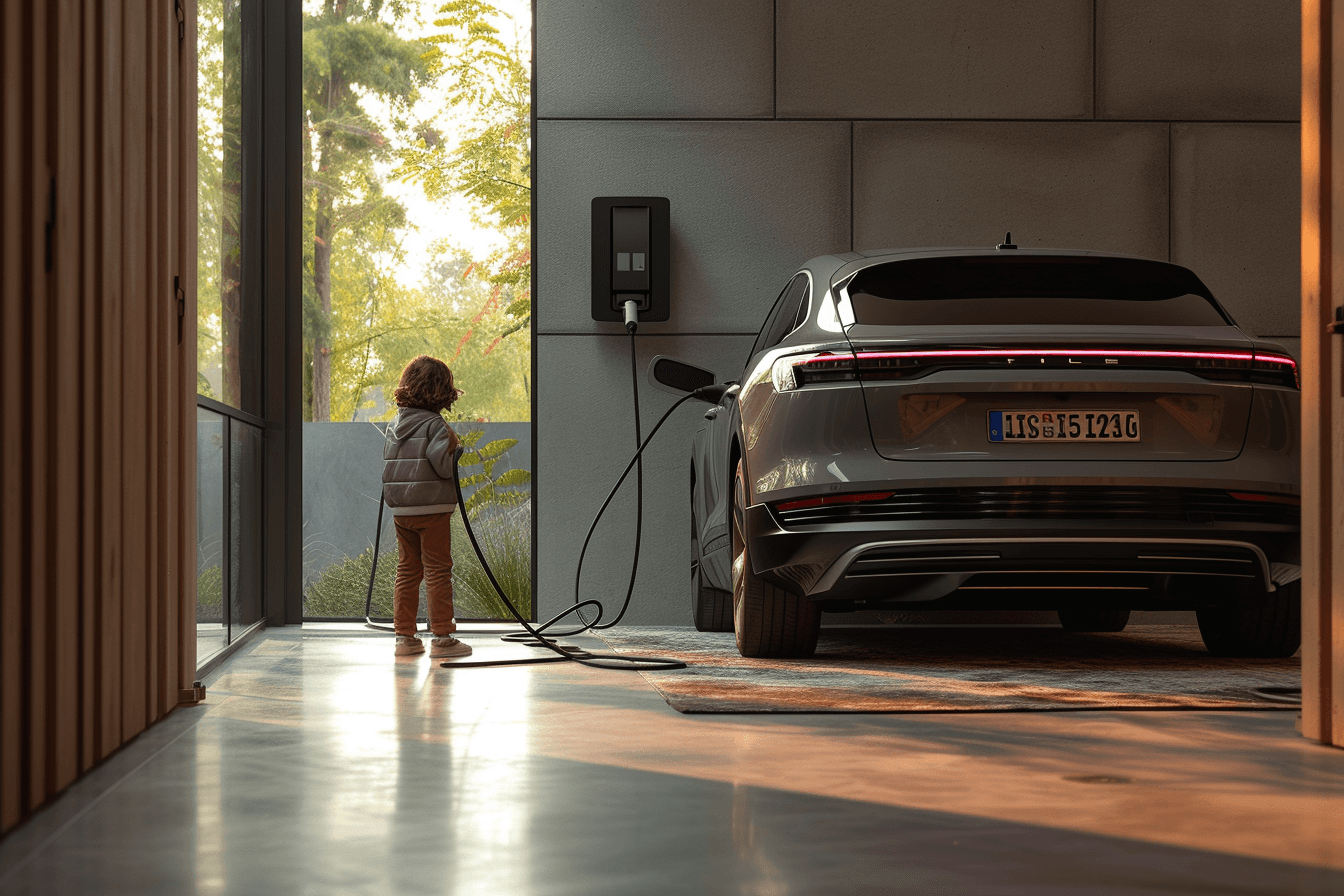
913,561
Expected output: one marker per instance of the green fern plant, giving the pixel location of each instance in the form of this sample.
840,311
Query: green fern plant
504,490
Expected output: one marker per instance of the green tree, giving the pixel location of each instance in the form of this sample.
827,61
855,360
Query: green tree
456,315
360,324
219,188
367,305
476,317
350,52
490,80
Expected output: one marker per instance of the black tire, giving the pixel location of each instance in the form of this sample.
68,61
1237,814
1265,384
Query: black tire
711,609
1255,625
1089,619
770,621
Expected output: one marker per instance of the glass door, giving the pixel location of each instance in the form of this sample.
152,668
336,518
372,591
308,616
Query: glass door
417,199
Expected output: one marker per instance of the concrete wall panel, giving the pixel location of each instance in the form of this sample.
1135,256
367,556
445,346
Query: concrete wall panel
1077,186
750,201
950,59
1235,211
688,59
1198,59
586,436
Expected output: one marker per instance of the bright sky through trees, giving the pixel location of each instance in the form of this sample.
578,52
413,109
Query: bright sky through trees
450,218
416,201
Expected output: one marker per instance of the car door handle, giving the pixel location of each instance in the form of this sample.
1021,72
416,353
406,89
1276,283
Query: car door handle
712,413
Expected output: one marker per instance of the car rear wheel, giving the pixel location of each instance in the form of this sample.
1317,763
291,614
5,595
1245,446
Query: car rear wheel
1089,619
711,609
1255,625
770,621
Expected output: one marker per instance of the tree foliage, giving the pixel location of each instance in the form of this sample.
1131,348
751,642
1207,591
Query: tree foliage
349,55
491,80
365,79
218,192
454,315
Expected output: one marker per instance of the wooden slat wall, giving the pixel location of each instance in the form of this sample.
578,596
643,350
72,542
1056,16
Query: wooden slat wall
11,449
97,418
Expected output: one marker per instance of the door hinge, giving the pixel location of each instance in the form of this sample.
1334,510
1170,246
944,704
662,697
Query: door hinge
179,296
193,694
181,20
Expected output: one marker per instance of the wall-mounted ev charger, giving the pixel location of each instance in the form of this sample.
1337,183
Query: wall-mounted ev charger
632,240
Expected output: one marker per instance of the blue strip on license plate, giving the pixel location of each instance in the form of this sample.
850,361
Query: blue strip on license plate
1064,426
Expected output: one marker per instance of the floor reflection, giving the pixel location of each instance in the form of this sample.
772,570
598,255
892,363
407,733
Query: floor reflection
326,765
211,876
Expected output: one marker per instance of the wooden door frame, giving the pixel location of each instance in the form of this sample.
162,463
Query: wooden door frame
1322,386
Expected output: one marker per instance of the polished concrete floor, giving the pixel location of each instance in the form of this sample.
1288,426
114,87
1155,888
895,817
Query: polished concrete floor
321,764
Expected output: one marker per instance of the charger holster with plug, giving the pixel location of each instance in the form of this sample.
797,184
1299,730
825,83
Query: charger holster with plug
631,249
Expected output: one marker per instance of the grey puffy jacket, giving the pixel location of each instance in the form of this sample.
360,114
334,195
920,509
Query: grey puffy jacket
418,464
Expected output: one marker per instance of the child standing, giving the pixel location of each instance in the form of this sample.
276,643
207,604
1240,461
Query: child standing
418,486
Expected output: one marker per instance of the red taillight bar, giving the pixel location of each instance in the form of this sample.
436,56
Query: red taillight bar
1079,353
1267,363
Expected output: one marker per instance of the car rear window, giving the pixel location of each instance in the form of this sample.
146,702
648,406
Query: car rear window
1032,290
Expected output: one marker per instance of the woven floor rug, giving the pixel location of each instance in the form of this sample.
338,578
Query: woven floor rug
963,669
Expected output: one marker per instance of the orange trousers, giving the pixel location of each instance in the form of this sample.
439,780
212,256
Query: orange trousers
424,550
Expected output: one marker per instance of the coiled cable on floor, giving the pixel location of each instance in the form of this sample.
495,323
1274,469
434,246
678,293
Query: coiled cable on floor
638,461
534,636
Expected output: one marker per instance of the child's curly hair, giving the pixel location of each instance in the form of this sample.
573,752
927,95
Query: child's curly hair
426,383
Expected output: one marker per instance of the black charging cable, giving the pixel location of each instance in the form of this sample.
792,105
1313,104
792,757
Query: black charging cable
631,325
639,519
536,638
534,635
368,597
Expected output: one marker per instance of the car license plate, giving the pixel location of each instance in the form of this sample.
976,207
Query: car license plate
1064,426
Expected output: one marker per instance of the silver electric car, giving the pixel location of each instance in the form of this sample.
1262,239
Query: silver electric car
1000,428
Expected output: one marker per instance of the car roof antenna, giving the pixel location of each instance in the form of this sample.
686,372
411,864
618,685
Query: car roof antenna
1007,242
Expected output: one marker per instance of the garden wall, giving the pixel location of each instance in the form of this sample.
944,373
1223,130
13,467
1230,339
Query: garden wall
342,475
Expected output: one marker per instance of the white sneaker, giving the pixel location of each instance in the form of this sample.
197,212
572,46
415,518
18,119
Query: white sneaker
449,646
409,646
